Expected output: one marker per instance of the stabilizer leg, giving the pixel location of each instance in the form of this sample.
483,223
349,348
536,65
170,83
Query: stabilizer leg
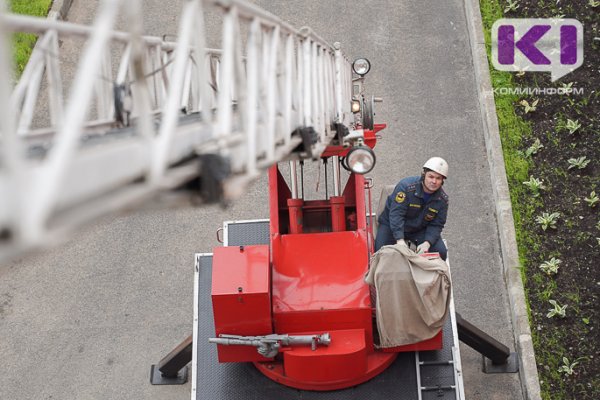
497,358
172,369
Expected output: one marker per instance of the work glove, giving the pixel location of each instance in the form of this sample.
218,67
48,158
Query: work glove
423,247
402,243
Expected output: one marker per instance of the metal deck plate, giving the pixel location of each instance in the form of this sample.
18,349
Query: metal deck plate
215,381
440,372
246,233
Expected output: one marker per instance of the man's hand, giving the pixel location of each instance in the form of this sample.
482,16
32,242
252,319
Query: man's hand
402,243
423,247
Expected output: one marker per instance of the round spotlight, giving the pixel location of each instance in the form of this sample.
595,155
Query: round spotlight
360,159
355,106
361,66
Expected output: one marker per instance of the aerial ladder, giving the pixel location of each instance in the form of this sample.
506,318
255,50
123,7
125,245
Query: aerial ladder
145,115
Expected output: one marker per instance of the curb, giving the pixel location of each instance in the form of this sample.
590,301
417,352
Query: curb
530,383
61,7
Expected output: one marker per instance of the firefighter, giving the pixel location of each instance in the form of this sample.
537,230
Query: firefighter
416,211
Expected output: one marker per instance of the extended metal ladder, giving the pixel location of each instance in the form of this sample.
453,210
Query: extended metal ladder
146,114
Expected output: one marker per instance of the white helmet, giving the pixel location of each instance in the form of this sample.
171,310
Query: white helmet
437,164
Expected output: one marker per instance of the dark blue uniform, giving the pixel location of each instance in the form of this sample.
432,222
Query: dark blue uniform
408,215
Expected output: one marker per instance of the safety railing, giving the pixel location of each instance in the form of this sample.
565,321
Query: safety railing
140,110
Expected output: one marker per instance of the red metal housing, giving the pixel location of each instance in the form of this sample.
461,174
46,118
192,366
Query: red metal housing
319,255
241,297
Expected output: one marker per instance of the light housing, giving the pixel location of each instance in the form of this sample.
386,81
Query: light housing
355,106
360,159
361,66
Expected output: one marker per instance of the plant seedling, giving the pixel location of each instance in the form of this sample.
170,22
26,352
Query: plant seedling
572,125
535,185
529,108
579,162
547,220
550,267
568,367
567,86
593,199
557,310
534,148
511,6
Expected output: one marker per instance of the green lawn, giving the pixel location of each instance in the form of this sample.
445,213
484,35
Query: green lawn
23,44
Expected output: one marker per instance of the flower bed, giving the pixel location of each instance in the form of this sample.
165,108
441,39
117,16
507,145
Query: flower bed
552,152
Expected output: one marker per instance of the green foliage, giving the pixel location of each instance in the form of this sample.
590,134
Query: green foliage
548,292
559,310
550,267
593,199
23,43
594,3
520,163
548,220
534,148
535,185
529,107
572,125
579,162
511,5
567,86
568,367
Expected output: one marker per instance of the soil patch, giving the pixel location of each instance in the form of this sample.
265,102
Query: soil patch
567,126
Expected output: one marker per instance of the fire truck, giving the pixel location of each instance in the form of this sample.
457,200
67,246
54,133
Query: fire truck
281,310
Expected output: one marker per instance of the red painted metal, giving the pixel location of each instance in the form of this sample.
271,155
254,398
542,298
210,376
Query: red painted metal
318,286
435,343
320,271
338,213
296,215
376,362
319,255
370,220
344,359
279,192
241,297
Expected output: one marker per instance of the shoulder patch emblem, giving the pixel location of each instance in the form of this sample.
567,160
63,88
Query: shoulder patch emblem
400,197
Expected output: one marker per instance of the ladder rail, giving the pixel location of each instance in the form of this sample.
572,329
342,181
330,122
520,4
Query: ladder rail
158,103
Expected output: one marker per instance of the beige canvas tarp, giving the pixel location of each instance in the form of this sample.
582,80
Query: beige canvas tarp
413,295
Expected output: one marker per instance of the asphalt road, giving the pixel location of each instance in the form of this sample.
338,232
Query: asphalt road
87,319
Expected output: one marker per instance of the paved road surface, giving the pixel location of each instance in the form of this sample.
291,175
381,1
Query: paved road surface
86,320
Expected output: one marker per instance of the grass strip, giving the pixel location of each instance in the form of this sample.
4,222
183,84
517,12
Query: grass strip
23,43
513,130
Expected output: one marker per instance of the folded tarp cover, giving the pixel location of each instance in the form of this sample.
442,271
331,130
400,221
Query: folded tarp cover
413,295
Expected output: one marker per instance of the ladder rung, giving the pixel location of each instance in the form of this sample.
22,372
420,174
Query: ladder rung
426,363
432,388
